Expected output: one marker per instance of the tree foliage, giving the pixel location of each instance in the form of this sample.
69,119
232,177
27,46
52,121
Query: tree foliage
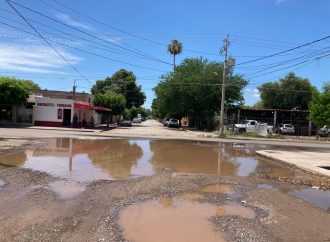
175,48
30,85
12,91
288,93
193,89
134,111
111,100
320,107
123,82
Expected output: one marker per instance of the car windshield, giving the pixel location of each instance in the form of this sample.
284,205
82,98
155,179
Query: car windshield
246,121
174,120
288,126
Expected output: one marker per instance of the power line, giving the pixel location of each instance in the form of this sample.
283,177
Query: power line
271,66
285,51
38,34
108,49
85,51
123,31
302,62
129,46
84,32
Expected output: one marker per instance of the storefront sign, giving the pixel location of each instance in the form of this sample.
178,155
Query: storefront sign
60,105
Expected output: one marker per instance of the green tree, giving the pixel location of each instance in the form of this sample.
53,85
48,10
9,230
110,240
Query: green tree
123,82
111,100
13,92
287,93
175,48
258,105
320,107
132,112
30,85
194,90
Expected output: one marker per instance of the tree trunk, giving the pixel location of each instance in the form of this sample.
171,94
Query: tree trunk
174,62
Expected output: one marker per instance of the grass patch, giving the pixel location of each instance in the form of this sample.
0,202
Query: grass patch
275,136
228,134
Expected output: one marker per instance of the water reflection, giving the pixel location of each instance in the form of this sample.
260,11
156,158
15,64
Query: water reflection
199,157
2,183
316,197
176,219
87,160
66,190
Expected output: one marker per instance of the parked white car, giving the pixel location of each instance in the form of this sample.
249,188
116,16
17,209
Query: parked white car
137,120
286,129
253,126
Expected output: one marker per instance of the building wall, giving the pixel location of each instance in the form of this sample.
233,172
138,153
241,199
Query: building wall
79,96
46,111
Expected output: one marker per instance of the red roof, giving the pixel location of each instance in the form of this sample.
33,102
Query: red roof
84,105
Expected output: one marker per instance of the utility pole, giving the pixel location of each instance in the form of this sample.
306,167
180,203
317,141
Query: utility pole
224,50
74,90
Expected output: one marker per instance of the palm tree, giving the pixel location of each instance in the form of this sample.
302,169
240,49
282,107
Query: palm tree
175,48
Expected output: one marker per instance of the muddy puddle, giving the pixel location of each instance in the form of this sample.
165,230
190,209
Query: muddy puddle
218,188
176,219
66,189
318,198
87,160
267,187
2,183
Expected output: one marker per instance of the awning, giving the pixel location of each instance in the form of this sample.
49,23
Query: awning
84,105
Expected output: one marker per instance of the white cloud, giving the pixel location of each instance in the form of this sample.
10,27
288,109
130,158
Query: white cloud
280,1
33,58
111,39
70,21
256,93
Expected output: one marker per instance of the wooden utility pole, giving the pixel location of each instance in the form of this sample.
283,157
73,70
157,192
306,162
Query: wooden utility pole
74,90
224,50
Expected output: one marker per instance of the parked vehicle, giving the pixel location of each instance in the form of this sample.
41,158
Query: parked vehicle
165,121
126,123
324,132
286,129
173,123
137,120
251,126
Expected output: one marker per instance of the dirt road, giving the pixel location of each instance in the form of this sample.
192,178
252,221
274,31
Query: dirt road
92,188
148,129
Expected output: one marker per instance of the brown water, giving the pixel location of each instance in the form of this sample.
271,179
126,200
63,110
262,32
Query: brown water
218,188
192,196
176,219
87,160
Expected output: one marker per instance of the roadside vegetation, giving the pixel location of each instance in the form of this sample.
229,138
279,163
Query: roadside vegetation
15,92
229,134
320,107
193,90
120,93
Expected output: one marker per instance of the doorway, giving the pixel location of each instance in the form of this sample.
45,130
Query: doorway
66,117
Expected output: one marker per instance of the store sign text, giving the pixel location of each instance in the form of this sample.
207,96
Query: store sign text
60,105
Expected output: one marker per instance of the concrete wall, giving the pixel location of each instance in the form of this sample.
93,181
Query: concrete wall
46,111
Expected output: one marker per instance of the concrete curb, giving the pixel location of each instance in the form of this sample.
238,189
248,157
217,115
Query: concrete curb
299,161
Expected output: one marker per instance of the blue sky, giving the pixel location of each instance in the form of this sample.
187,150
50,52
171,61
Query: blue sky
256,28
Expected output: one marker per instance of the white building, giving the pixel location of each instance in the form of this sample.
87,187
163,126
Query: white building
61,112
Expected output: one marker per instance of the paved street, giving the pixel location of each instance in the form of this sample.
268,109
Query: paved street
89,185
150,129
